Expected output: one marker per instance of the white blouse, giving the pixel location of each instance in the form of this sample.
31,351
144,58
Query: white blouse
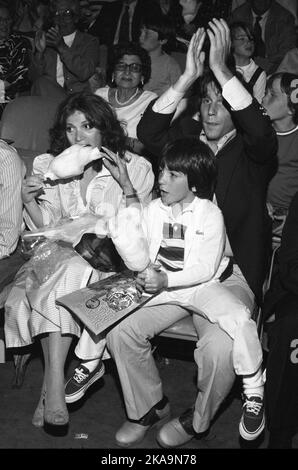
131,114
104,196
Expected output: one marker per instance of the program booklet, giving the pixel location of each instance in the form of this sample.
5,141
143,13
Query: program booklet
104,303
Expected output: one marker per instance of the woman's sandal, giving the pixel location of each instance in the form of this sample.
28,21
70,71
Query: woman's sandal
56,422
38,417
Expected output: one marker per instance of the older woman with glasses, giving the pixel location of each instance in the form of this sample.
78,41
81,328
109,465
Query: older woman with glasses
129,68
242,48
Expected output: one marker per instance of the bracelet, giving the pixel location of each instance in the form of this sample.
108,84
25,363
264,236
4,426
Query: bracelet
132,195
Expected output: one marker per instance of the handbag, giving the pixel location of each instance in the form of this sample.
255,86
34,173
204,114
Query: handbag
100,253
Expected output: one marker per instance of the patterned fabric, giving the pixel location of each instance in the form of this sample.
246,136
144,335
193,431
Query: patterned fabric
171,252
12,171
103,196
14,63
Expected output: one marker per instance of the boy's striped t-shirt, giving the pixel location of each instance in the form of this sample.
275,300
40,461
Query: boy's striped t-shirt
171,251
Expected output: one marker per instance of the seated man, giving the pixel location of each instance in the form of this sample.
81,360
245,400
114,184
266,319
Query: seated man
282,362
236,129
14,60
65,58
12,172
274,31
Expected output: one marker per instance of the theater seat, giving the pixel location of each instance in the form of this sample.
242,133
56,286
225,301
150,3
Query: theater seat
26,121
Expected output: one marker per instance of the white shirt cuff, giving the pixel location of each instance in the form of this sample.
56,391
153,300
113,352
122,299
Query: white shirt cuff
168,101
236,94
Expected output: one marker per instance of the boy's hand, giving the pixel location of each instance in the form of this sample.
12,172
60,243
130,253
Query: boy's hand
155,281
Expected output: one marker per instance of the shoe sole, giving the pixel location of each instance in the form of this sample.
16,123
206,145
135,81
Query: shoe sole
78,395
137,441
251,436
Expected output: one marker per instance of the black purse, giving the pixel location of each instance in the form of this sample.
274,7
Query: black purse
100,253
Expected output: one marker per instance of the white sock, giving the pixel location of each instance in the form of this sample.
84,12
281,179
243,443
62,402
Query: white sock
91,365
254,384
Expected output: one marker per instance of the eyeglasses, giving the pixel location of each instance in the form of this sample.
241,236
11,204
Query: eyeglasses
63,13
134,68
244,39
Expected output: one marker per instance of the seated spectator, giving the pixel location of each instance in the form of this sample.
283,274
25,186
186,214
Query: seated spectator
274,31
120,21
15,54
12,172
65,58
30,310
197,13
282,108
165,71
242,48
281,388
128,71
235,128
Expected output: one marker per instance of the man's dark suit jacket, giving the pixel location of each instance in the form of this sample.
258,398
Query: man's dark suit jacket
280,34
106,23
286,280
245,165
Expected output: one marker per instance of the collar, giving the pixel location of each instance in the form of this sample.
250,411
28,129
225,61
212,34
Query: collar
288,132
222,141
189,208
69,37
263,17
245,67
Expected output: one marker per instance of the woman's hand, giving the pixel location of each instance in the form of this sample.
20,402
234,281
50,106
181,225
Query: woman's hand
117,168
31,186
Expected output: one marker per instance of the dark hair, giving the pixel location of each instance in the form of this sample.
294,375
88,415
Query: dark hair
287,87
241,24
98,112
200,88
189,155
117,52
162,25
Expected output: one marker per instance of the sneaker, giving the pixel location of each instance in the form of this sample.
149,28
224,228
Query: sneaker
82,379
253,418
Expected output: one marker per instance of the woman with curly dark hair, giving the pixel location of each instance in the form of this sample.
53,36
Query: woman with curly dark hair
129,68
102,188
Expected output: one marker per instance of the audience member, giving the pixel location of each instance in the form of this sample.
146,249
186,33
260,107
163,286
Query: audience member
128,71
282,361
242,48
14,60
290,5
121,21
31,312
196,13
65,58
281,104
247,224
274,31
165,70
12,172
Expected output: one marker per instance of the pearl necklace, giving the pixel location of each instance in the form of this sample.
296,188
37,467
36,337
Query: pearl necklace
125,102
